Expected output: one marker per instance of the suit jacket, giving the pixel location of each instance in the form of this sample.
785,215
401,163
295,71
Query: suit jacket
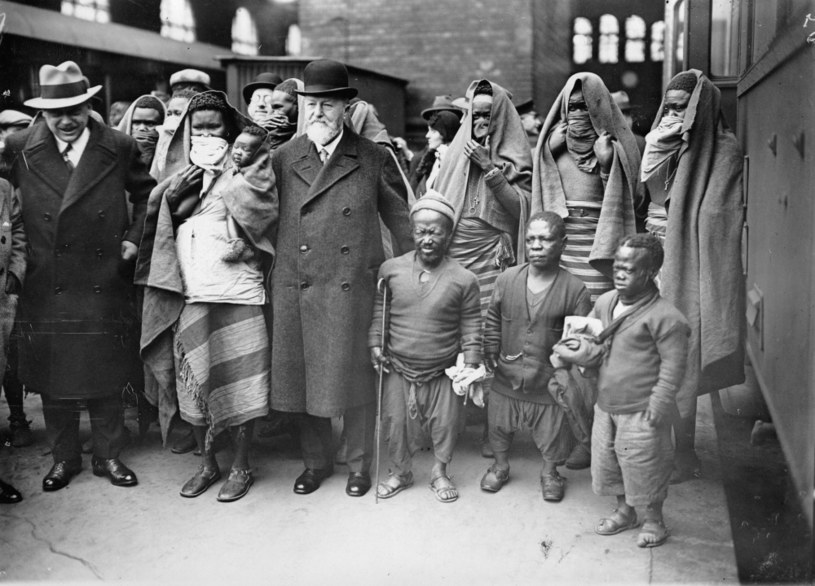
77,310
329,248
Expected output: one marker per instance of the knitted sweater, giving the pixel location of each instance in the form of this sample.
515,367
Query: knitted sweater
646,360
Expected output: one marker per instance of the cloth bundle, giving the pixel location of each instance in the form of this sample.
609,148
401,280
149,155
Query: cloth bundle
467,381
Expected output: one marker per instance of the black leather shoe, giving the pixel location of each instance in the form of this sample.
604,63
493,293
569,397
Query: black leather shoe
358,484
59,476
185,444
118,473
8,494
310,480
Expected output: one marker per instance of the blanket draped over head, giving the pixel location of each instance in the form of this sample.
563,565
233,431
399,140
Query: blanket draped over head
622,187
702,273
251,199
509,151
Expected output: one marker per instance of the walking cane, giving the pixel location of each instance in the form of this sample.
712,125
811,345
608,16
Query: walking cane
381,286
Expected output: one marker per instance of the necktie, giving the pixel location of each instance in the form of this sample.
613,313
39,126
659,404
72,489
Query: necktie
68,164
323,155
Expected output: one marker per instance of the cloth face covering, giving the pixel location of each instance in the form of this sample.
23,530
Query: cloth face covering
660,145
208,152
580,138
171,123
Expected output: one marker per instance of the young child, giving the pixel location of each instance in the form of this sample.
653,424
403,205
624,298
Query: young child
632,454
244,150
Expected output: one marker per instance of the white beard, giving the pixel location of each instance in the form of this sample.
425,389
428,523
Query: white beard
322,133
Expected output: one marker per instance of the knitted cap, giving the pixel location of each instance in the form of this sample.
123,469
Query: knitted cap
433,200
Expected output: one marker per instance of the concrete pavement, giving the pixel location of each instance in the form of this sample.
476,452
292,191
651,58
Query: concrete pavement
92,531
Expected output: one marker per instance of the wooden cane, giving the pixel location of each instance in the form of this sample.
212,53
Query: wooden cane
382,286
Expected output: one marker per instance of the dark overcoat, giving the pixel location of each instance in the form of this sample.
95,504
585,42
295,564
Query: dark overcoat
12,262
329,248
77,309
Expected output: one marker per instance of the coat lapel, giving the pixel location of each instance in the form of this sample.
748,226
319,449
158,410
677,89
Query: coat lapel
41,157
308,165
343,162
98,161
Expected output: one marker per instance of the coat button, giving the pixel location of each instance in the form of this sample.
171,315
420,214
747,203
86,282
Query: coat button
57,290
97,289
304,285
346,286
46,216
99,252
303,248
345,249
101,213
346,211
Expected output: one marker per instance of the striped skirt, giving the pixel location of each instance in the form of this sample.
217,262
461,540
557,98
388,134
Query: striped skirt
222,364
485,251
581,226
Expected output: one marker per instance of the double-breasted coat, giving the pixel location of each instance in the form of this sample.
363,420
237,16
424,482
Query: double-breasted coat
329,248
77,310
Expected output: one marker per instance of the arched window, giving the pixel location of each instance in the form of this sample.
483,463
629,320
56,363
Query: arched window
177,21
581,41
658,41
93,10
294,41
244,33
634,39
609,39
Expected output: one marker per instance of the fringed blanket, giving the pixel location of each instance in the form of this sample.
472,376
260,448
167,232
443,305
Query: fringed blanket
485,251
581,230
222,364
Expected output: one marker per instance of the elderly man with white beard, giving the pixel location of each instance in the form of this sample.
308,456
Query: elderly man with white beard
333,187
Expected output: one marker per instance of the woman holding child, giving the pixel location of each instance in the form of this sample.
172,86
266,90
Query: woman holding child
204,261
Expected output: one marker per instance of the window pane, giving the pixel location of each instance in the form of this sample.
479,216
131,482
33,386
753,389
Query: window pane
177,21
582,41
658,41
724,38
609,39
93,10
244,33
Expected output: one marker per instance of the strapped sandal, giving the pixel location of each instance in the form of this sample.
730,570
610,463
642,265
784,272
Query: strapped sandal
388,489
444,489
653,534
616,523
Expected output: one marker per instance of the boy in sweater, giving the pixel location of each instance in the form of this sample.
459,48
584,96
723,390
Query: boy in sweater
645,358
434,313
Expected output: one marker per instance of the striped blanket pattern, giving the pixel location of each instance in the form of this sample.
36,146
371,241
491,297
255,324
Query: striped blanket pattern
580,233
223,365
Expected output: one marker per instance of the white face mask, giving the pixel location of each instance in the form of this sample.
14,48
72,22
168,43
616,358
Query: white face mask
208,152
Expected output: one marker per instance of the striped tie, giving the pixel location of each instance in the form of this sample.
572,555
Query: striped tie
68,163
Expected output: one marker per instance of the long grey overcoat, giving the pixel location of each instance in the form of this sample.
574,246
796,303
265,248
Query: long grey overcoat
77,310
329,248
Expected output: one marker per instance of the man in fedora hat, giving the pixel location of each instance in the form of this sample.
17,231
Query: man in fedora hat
333,185
73,175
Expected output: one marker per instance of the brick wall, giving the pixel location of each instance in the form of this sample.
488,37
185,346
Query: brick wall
439,45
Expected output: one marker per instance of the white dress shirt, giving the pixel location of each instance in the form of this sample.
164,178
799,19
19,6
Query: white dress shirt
77,147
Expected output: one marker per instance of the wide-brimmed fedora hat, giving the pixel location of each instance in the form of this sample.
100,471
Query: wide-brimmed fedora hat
442,104
264,80
327,78
62,86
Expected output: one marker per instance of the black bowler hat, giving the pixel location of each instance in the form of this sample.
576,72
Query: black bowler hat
264,80
525,107
326,78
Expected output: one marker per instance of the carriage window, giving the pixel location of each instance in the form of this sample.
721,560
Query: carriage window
609,39
244,33
634,39
658,41
93,10
581,41
724,38
177,21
